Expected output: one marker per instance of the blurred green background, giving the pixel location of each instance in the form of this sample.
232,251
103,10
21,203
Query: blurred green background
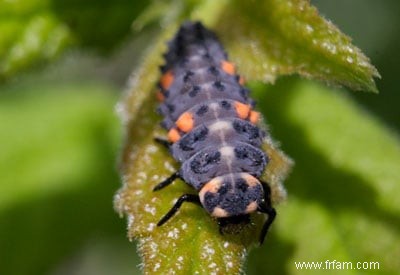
60,136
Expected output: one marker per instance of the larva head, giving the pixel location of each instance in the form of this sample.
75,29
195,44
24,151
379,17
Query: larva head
232,195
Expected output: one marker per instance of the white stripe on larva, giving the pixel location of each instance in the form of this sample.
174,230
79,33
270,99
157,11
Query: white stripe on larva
213,106
220,125
227,152
228,155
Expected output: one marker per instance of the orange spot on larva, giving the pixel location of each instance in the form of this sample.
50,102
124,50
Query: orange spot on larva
218,212
228,67
167,79
250,180
242,81
185,122
212,186
160,97
251,207
173,135
242,110
254,117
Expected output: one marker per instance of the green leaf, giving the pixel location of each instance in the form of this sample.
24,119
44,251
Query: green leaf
31,33
267,40
65,126
37,31
40,38
58,143
272,38
99,24
343,199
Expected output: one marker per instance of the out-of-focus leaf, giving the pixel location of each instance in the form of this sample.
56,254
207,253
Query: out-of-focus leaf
273,37
343,201
37,31
57,171
40,37
100,24
61,117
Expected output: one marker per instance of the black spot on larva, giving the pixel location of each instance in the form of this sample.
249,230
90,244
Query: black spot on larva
166,93
171,107
202,163
195,166
163,68
186,144
241,184
202,110
250,154
211,201
213,70
224,188
213,158
200,133
188,141
225,104
234,203
187,76
244,92
245,127
255,193
207,56
195,90
219,85
241,152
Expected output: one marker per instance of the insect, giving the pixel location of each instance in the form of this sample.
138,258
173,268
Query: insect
212,130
